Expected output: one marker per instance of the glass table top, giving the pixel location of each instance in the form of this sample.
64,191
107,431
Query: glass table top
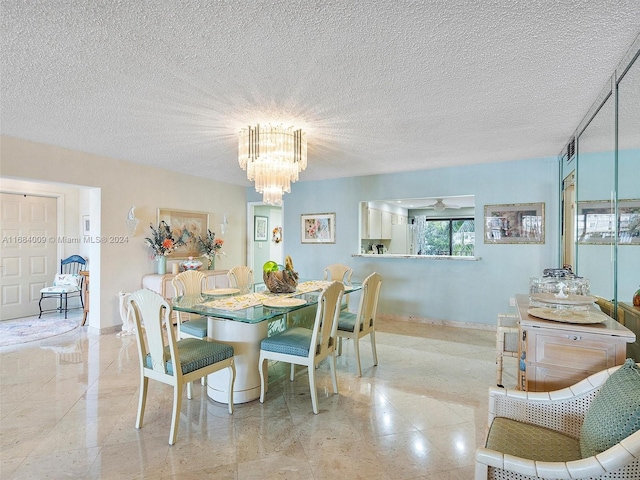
234,306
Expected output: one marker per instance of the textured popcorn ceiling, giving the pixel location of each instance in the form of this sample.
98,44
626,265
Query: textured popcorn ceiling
379,85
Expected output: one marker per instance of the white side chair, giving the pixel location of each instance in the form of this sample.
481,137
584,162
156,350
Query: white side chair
190,282
171,361
358,325
588,430
337,272
241,277
307,347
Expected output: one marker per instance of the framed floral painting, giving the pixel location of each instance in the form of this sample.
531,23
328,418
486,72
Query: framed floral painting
260,227
318,228
195,223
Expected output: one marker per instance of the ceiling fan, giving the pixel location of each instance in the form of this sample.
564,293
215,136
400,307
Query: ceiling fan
440,206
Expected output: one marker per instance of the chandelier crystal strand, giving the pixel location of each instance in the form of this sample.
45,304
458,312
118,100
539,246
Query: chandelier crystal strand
273,157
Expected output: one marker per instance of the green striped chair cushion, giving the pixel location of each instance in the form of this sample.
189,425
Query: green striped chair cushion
196,354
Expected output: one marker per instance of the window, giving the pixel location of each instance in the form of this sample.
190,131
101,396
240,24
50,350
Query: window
445,236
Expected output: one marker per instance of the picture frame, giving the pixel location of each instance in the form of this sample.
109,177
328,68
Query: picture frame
196,223
260,228
595,222
521,223
86,224
318,228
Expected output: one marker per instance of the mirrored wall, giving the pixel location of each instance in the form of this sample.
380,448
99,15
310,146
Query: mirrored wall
601,188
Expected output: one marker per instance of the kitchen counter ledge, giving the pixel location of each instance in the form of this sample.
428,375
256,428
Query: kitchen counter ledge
419,257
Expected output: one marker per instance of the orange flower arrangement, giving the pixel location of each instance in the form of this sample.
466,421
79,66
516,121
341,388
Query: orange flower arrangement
163,243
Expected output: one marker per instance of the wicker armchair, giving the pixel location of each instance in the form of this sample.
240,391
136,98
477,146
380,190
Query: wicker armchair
559,411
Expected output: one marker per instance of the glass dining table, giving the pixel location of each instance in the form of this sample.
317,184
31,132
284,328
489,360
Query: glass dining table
242,320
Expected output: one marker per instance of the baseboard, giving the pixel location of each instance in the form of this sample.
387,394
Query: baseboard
434,321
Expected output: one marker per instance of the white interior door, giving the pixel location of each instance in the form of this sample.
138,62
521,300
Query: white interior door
28,252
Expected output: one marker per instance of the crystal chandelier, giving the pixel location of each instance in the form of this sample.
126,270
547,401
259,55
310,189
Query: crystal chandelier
273,156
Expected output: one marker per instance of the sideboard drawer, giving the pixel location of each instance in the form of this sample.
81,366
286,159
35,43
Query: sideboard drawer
580,351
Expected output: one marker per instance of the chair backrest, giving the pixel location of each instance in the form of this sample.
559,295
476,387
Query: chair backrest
189,282
72,264
241,277
368,307
148,308
326,323
339,273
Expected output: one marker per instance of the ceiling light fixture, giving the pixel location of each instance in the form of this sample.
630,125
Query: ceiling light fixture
273,156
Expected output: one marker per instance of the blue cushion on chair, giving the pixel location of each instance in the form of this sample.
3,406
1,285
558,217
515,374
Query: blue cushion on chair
293,341
195,354
347,321
197,328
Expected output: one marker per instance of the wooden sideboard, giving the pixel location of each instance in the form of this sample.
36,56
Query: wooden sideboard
162,283
557,355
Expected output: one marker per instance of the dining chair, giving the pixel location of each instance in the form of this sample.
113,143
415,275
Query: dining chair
67,284
241,277
171,361
357,325
340,273
307,347
190,282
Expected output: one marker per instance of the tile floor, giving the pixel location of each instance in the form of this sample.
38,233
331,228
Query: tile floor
68,407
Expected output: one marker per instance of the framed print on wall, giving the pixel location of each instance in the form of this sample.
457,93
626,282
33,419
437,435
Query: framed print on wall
260,228
318,228
596,222
514,223
196,223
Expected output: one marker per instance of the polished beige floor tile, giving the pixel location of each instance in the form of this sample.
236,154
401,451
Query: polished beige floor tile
68,407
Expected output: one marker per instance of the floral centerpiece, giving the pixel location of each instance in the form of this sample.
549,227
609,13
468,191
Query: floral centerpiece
163,242
210,247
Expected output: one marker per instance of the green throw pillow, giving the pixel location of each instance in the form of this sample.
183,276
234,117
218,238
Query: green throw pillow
614,413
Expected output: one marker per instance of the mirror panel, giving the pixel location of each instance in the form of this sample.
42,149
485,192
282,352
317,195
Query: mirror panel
628,276
595,207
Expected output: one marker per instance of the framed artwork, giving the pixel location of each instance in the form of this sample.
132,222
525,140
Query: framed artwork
260,228
514,223
318,228
86,224
596,222
195,223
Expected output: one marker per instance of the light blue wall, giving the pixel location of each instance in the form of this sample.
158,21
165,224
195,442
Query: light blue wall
458,291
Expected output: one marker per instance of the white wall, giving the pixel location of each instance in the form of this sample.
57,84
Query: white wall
112,187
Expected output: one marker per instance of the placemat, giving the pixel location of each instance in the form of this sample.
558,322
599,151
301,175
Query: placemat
247,300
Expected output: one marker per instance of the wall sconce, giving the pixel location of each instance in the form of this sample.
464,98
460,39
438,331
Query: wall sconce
132,221
223,225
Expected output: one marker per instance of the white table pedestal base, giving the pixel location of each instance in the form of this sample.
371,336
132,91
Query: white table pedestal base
245,339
